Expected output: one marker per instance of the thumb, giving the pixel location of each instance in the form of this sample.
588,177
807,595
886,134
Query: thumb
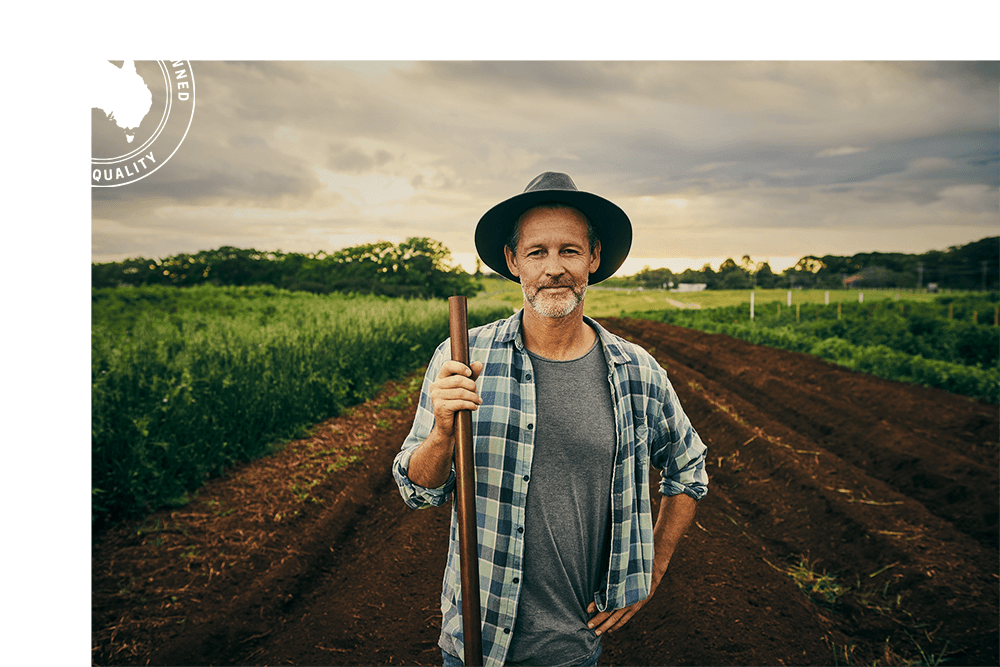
592,608
477,369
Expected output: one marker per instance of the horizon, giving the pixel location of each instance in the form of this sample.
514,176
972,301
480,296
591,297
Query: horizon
630,267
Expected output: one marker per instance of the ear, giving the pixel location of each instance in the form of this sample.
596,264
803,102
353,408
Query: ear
595,257
511,261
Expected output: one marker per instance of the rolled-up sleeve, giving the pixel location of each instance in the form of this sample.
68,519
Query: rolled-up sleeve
676,449
414,495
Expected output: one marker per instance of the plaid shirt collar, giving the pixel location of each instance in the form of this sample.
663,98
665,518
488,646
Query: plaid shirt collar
510,330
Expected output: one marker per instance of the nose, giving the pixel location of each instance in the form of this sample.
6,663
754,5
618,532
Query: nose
553,265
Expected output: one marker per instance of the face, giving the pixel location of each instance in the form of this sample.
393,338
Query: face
553,260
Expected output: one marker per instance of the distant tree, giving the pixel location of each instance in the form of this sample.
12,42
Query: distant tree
804,272
654,278
764,276
417,267
733,276
132,271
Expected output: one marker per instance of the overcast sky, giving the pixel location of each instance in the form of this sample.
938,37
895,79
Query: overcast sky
709,159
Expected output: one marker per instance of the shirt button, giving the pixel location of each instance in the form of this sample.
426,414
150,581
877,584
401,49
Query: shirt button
506,631
525,478
516,580
520,529
531,426
528,376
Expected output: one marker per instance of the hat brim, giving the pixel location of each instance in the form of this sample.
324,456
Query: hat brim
612,226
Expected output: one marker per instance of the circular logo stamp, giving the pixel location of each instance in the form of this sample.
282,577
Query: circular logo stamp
102,94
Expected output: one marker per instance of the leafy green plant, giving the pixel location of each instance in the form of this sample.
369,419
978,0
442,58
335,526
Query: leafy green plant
185,382
907,341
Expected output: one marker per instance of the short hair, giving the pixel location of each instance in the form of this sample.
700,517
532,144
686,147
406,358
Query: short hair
515,231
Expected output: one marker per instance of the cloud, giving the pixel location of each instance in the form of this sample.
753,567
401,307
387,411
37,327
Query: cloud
366,190
354,160
842,150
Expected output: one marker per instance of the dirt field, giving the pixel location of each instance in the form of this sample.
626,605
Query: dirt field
850,520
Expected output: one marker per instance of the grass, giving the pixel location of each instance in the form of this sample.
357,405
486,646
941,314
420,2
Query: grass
608,302
821,587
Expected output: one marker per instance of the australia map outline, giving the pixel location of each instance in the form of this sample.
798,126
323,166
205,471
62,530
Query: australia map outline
122,95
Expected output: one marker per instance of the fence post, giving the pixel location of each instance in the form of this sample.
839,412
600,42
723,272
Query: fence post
838,310
751,306
827,297
789,298
861,297
798,311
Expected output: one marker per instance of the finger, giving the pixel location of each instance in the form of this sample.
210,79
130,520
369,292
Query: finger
445,409
597,619
608,621
623,619
456,380
601,623
453,382
450,368
462,393
477,369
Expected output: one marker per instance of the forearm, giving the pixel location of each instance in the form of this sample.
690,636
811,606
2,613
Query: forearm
430,463
675,516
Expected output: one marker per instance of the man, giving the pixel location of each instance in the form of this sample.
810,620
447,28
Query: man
567,419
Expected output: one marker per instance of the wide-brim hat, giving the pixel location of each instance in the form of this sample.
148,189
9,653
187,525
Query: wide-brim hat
612,225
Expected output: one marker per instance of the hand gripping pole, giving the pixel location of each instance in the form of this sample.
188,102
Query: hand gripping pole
465,496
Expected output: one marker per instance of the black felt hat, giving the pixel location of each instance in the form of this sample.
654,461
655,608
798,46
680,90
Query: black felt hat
612,225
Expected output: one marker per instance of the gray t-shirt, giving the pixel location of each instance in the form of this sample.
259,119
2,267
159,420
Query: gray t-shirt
567,511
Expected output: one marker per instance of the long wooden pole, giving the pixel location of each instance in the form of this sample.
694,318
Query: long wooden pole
465,496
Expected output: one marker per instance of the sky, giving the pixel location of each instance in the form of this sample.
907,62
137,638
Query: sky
775,159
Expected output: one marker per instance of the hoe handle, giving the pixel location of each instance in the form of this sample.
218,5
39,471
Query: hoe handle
465,496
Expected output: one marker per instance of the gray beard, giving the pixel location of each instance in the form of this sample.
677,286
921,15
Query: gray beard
549,307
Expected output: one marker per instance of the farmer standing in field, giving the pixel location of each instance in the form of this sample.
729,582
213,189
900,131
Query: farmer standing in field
567,418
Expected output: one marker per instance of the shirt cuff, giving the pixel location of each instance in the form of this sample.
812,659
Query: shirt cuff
428,496
669,487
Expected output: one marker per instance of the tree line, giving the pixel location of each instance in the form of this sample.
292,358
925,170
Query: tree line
974,266
414,268
418,268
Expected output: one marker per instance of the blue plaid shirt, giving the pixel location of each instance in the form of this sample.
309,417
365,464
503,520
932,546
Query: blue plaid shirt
652,430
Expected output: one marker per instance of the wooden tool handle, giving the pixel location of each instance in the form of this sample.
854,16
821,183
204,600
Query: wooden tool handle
465,496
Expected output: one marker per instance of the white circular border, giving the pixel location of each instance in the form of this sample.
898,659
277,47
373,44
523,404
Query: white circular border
90,161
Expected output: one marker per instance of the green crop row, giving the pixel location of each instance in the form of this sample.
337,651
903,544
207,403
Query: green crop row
959,330
188,381
855,350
